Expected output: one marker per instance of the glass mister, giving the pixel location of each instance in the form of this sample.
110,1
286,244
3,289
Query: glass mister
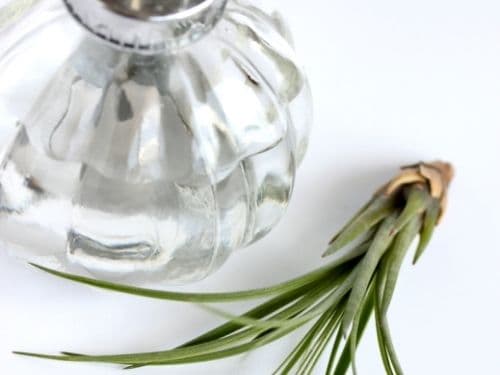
151,138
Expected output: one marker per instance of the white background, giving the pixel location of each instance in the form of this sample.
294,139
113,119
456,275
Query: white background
394,82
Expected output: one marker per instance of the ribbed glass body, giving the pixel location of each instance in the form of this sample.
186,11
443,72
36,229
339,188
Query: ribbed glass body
147,161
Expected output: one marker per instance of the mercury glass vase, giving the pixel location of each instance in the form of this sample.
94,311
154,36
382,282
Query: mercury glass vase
151,137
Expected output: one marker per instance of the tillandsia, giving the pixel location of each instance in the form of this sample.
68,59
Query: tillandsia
335,301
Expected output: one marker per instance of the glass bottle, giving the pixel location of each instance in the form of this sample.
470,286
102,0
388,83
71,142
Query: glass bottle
151,137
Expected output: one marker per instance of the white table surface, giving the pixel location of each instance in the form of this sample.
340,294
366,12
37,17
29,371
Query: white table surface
394,82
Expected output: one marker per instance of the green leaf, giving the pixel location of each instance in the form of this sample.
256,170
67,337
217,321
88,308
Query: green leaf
195,297
380,286
395,257
390,346
430,222
334,352
366,268
301,305
297,353
285,287
337,290
377,210
352,220
311,360
345,358
303,346
382,347
387,350
175,356
277,303
353,342
417,202
342,257
208,346
219,354
353,337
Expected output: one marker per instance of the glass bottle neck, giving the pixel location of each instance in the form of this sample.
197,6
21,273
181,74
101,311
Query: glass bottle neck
147,26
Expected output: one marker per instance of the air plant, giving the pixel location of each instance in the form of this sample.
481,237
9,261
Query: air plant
335,301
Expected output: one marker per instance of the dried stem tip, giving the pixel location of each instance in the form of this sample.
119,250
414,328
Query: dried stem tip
435,176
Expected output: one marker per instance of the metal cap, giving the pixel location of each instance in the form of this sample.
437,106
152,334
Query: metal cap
147,26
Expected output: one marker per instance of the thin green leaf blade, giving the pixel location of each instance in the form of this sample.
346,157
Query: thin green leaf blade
192,297
430,222
200,349
395,258
306,302
352,220
294,357
381,343
380,208
417,202
366,269
311,361
334,352
345,358
391,350
263,310
386,345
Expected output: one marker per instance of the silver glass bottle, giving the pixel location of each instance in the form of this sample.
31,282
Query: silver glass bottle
152,137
